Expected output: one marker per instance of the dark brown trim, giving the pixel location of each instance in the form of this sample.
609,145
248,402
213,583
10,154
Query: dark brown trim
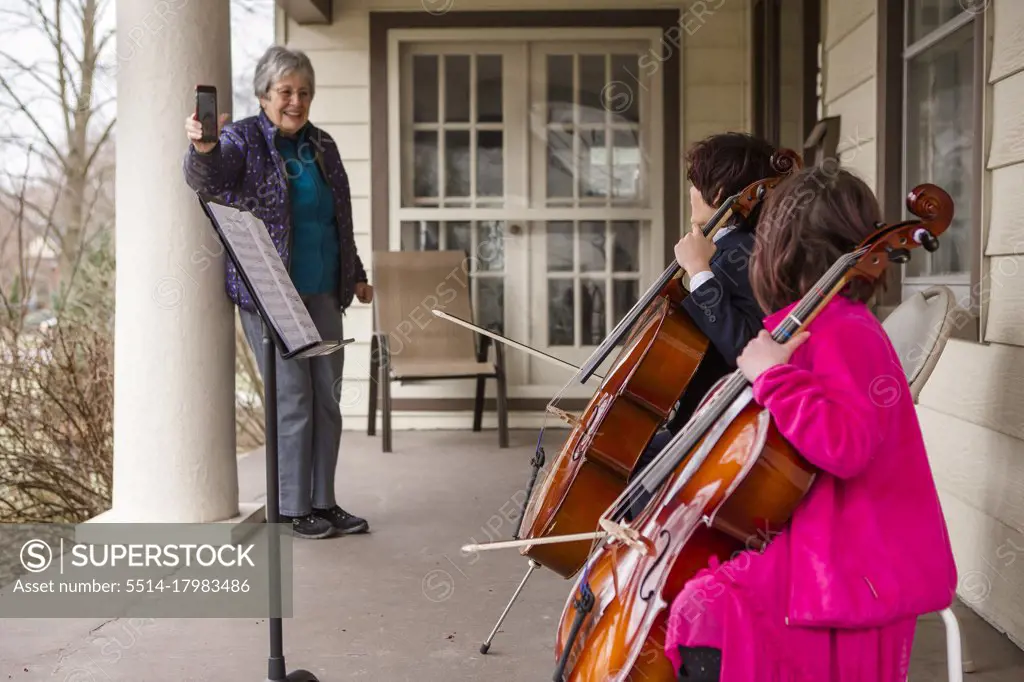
757,34
811,12
889,130
490,405
980,92
767,69
379,151
773,71
382,22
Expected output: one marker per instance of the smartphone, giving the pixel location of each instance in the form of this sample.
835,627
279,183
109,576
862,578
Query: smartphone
206,111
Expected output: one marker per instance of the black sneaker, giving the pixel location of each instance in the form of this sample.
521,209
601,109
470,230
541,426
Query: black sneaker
309,526
342,521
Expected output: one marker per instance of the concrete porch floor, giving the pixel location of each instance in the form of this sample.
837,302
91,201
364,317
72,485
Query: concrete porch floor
401,603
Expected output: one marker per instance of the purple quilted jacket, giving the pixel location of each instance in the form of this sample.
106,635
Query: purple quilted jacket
246,171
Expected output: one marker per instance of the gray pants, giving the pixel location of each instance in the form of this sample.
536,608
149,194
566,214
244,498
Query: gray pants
308,415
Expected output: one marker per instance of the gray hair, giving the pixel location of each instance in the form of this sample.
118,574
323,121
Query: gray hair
276,63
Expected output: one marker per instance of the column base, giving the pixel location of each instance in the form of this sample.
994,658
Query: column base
227,531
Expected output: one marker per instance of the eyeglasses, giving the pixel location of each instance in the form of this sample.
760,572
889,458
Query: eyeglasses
287,93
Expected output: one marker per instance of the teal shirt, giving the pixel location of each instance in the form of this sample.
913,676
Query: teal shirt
315,250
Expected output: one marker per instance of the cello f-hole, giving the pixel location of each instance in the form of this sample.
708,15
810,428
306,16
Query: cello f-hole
646,596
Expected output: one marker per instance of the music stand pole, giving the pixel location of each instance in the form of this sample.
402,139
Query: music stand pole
275,665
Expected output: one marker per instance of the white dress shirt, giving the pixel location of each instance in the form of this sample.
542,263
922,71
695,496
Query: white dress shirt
703,276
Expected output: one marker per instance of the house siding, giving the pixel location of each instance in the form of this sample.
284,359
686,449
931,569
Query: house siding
850,62
715,95
970,409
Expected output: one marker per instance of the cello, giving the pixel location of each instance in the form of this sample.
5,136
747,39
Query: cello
650,374
727,477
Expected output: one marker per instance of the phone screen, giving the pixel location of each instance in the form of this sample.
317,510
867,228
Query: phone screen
206,112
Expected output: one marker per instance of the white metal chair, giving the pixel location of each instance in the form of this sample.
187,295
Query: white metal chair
919,329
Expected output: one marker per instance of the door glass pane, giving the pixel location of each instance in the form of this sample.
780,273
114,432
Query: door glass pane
560,163
621,99
940,142
593,177
458,237
924,16
559,243
490,163
425,164
592,247
560,87
490,250
560,312
456,167
626,292
592,82
425,88
490,302
488,88
456,88
592,311
625,164
626,239
420,235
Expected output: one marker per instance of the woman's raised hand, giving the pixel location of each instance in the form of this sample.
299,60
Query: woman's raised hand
194,132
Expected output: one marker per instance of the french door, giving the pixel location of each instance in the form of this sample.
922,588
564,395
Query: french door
540,158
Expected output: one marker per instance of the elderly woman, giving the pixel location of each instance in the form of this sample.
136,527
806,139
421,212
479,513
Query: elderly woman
288,173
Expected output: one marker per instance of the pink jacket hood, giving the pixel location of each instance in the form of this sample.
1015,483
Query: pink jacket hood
869,544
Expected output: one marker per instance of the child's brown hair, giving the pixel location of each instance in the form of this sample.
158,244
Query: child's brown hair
722,165
807,222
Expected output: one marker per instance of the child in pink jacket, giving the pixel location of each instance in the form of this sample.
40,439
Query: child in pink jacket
836,594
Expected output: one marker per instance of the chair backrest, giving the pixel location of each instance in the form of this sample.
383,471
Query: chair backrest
919,328
407,286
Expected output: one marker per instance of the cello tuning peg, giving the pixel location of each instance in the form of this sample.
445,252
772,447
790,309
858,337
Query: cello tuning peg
926,239
898,255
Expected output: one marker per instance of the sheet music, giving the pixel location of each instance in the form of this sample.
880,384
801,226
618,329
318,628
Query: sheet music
251,244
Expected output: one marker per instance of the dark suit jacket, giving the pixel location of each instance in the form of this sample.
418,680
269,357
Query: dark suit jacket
724,308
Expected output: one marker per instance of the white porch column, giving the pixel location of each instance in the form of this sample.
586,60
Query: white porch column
174,435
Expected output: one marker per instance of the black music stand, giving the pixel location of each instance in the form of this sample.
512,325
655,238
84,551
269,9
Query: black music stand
288,328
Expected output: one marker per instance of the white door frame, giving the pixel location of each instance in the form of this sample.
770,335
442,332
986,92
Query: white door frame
518,211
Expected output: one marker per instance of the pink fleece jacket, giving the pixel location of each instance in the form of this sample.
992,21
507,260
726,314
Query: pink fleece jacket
868,545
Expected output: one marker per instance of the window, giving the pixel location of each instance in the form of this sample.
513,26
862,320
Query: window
941,82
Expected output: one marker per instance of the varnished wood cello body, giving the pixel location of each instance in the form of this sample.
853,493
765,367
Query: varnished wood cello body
726,483
636,397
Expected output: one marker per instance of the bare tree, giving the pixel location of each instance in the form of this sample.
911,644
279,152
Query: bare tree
55,116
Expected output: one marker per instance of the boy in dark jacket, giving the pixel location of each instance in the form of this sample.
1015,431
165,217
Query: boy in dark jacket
721,303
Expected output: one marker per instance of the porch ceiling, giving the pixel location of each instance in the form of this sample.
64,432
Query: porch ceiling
307,11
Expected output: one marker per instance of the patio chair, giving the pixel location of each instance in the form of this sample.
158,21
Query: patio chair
411,345
919,328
